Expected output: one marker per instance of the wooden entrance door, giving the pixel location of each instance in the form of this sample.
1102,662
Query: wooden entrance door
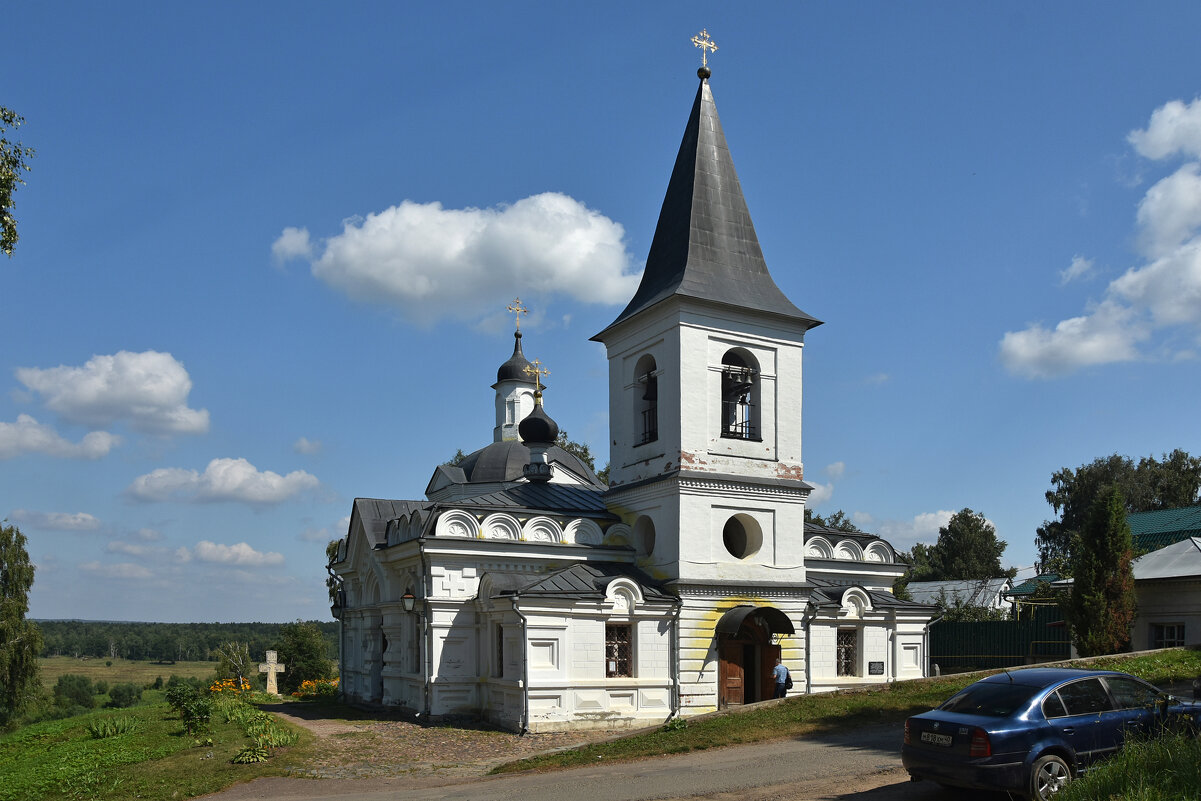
731,674
768,654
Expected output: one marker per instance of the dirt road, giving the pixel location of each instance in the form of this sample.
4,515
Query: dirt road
864,764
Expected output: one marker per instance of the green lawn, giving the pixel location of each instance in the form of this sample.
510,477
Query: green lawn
842,711
60,760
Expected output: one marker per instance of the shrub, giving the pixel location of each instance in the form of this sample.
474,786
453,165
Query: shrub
111,727
158,683
100,687
74,691
123,695
108,663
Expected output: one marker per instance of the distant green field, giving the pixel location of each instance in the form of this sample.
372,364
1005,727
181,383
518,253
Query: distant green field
122,670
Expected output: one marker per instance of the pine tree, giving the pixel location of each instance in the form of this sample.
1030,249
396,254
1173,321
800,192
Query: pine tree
20,640
1101,606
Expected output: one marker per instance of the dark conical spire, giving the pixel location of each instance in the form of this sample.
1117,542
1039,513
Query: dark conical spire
705,244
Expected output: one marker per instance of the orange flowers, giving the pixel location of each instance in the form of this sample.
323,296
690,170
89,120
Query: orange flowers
230,686
321,688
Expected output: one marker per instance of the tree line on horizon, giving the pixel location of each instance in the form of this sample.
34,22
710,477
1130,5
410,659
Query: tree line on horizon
164,642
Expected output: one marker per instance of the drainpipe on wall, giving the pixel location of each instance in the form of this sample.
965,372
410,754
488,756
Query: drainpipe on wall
674,704
426,636
806,620
524,724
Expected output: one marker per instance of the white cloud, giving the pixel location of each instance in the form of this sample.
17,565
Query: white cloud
120,570
819,495
307,446
27,435
429,262
836,470
148,390
129,548
902,534
1079,268
1163,292
223,480
327,533
148,535
239,554
1169,287
293,243
877,378
1170,212
1174,128
56,521
1108,334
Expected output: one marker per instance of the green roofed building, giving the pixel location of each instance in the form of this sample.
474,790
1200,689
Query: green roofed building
1154,530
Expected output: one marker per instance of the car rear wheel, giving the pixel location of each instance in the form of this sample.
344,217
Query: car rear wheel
1049,775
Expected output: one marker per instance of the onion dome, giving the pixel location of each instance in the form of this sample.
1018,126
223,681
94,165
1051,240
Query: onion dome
537,427
515,369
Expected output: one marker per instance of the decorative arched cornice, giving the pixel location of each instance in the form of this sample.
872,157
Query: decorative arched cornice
582,531
541,529
618,534
848,549
879,551
855,603
501,526
457,523
623,595
819,548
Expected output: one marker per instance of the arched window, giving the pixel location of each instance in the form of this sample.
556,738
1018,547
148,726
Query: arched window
739,395
646,400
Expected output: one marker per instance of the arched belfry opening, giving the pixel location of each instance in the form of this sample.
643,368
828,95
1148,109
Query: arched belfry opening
646,403
740,401
747,652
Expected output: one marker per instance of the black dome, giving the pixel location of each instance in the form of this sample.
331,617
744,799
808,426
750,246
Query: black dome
515,368
537,425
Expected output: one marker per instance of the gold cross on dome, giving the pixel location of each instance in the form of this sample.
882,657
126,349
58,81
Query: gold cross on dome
537,371
517,309
706,45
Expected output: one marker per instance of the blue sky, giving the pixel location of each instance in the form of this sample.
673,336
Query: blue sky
266,249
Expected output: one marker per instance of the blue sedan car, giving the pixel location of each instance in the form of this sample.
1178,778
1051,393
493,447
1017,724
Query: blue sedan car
1030,731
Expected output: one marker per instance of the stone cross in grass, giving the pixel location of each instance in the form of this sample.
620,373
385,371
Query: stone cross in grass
271,667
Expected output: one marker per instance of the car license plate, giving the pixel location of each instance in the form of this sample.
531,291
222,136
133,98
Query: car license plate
937,739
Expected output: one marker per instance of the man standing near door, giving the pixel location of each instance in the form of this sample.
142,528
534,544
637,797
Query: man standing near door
780,674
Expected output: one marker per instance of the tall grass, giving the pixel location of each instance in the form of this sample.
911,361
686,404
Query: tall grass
1164,769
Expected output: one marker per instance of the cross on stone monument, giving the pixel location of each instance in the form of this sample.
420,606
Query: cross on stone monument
271,667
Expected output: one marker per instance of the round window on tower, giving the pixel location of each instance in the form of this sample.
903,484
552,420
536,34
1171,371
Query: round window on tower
742,536
644,536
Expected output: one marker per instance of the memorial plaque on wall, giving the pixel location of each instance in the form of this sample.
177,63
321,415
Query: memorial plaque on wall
875,668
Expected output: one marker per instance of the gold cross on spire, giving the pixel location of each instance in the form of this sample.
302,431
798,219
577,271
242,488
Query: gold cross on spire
517,309
706,45
537,371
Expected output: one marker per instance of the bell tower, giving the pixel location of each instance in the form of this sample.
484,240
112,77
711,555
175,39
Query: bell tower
705,386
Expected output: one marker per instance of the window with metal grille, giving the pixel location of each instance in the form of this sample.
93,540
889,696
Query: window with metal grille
848,656
617,650
1167,635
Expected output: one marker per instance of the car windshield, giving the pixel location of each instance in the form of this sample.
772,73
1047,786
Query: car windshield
990,699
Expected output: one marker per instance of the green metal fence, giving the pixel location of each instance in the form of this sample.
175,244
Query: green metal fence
1037,635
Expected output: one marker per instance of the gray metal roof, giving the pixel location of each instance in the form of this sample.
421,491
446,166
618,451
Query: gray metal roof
548,497
829,593
705,244
971,592
1179,560
376,512
590,580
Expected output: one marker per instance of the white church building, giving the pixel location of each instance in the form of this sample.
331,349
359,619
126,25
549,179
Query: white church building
526,592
